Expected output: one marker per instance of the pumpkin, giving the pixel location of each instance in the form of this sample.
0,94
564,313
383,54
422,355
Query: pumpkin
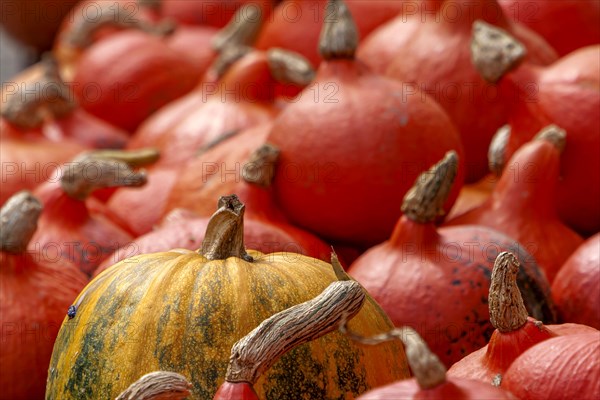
256,352
564,367
566,25
362,130
522,204
243,97
430,380
437,279
565,93
295,24
515,330
44,106
575,287
207,300
428,50
203,182
35,291
79,227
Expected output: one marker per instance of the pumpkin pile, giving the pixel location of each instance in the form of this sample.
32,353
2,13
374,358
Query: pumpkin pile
316,199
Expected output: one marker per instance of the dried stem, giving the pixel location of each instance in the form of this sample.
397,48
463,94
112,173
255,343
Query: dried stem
159,385
225,232
18,221
260,168
339,36
88,173
507,311
425,200
289,67
427,368
555,135
494,52
242,29
227,57
259,350
340,274
497,150
133,158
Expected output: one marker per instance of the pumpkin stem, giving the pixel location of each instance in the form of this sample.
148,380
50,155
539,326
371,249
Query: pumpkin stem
494,52
225,232
242,30
555,135
497,150
259,350
116,14
340,274
18,221
260,168
155,5
97,170
427,368
50,98
507,311
158,385
424,202
290,67
339,36
227,57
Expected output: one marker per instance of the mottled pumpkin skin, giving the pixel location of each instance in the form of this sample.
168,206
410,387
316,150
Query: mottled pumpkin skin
180,312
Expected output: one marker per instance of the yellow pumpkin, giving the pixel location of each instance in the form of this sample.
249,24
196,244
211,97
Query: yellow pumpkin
182,311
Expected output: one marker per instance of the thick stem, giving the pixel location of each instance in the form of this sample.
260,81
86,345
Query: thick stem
81,33
507,311
225,232
159,385
18,221
227,57
260,168
47,98
242,29
424,202
259,350
427,368
494,52
88,173
497,150
555,135
289,67
339,36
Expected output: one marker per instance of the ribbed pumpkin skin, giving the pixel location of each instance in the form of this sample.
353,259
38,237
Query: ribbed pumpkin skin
178,311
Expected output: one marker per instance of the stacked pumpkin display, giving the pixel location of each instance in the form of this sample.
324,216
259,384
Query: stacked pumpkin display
448,152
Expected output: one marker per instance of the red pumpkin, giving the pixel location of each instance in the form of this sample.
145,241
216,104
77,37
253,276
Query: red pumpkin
429,52
43,105
522,204
352,144
567,94
567,25
575,288
295,24
35,293
76,226
242,98
564,367
437,280
515,330
430,381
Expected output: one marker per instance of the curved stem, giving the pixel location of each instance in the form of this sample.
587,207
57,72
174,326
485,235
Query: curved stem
260,168
290,67
507,311
242,29
227,57
424,202
133,158
18,221
339,36
555,135
427,368
225,232
497,150
260,349
89,172
159,385
494,52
